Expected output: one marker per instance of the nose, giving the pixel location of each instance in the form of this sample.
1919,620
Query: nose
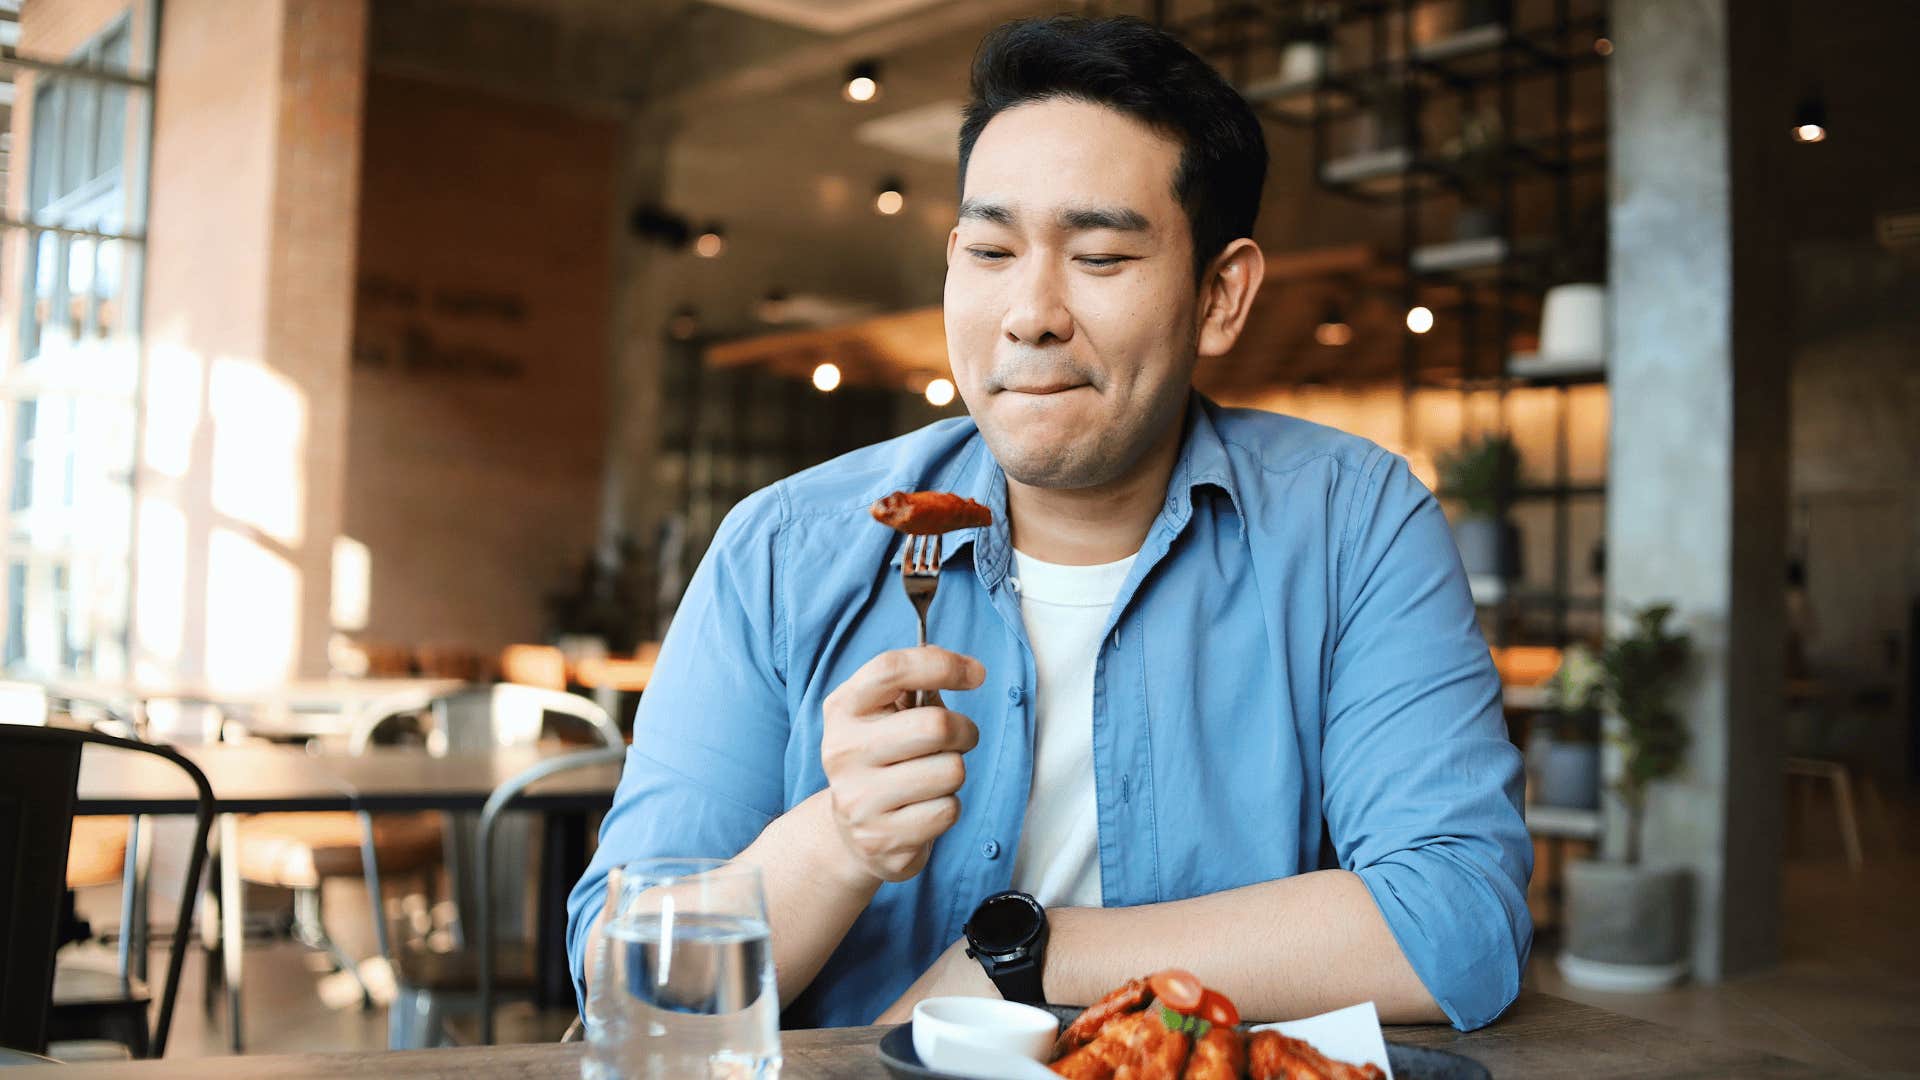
1036,306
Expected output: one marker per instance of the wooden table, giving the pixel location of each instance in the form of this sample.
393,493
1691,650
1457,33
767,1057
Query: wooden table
255,778
1541,1037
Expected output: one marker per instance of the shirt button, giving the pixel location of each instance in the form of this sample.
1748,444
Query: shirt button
1013,694
990,849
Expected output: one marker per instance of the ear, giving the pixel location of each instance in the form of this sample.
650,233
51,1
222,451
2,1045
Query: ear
953,238
1226,295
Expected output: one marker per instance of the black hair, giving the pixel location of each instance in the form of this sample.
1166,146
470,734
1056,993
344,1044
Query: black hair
1136,68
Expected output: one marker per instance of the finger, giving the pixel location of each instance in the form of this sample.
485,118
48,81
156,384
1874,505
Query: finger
931,777
907,700
882,679
915,733
924,822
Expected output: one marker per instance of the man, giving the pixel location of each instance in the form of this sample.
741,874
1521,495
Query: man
1212,691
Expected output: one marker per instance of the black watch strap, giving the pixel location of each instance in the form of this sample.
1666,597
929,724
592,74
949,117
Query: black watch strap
1019,980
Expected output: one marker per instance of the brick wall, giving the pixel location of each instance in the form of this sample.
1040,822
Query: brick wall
248,304
477,431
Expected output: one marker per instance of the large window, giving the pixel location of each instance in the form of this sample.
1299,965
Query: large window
68,390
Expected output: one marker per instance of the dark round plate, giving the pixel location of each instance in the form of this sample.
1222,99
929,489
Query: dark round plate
1409,1062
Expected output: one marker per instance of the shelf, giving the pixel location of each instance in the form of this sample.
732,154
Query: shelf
1298,101
1478,257
1563,822
1468,384
1530,366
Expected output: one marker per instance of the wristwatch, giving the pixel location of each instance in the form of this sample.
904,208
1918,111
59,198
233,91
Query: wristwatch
1007,933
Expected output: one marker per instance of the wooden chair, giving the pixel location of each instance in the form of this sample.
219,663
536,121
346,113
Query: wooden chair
300,852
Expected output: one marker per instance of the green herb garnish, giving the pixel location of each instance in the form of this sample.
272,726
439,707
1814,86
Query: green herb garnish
1190,1025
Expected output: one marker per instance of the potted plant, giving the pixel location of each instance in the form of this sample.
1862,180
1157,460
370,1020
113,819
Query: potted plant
1308,43
1628,925
1478,13
1565,752
1482,476
1475,156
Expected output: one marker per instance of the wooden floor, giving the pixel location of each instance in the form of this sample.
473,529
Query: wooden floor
1846,997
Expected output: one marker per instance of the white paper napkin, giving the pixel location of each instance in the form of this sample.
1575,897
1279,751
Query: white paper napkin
1351,1035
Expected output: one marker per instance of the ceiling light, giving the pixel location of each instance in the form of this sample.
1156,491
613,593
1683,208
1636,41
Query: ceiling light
1810,120
1420,319
1603,46
826,377
892,197
940,392
863,82
711,243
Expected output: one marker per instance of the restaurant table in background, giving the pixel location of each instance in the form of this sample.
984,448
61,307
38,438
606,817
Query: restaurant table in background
1540,1038
263,778
299,710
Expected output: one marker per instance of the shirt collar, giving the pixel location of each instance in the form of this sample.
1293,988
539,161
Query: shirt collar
975,474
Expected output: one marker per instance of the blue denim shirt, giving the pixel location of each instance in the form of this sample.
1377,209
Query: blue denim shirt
1293,679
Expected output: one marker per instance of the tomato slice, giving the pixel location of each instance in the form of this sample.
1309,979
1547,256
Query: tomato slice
1177,990
1217,1009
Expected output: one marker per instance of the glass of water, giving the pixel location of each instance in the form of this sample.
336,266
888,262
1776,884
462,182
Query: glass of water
682,983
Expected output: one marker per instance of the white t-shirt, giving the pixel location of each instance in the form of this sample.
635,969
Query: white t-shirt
1065,609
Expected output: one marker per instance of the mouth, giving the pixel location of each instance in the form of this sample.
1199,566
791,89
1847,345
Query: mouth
1044,389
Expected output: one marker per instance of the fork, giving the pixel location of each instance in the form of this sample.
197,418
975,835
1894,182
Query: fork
920,576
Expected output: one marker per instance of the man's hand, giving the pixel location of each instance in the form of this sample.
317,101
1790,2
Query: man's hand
892,769
955,974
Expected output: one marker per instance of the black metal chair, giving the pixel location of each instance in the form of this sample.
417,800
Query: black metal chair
500,801
39,778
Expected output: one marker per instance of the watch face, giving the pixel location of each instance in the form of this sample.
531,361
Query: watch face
1004,923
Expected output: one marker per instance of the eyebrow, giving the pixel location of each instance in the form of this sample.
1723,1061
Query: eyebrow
1072,219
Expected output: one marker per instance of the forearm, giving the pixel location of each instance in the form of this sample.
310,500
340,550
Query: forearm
1280,949
815,890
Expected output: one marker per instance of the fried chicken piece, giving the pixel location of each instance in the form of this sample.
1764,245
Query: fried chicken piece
1131,997
924,513
1220,1054
1273,1056
1136,1046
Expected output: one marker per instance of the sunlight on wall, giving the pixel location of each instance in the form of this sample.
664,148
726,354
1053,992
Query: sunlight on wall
352,583
253,613
160,592
174,381
259,440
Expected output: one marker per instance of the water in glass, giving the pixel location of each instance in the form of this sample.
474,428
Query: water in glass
683,983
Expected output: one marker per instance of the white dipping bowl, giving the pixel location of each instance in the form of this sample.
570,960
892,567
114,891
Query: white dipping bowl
949,1033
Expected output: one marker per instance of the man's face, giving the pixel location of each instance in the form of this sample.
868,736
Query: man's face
1070,305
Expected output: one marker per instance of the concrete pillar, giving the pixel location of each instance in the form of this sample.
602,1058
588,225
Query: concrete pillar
643,301
1697,507
256,169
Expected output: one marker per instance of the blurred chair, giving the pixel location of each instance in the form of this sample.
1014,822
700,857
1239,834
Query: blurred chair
501,800
430,986
543,666
300,852
39,999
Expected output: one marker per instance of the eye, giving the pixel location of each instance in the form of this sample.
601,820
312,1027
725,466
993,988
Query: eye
1103,262
987,255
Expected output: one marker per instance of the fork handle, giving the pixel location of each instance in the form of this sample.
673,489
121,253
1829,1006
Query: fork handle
920,696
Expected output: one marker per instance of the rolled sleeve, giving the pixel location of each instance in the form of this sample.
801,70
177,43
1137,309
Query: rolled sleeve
1422,786
704,776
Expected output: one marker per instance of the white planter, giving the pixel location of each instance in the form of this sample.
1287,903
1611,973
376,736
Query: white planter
1628,927
1303,62
1573,325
